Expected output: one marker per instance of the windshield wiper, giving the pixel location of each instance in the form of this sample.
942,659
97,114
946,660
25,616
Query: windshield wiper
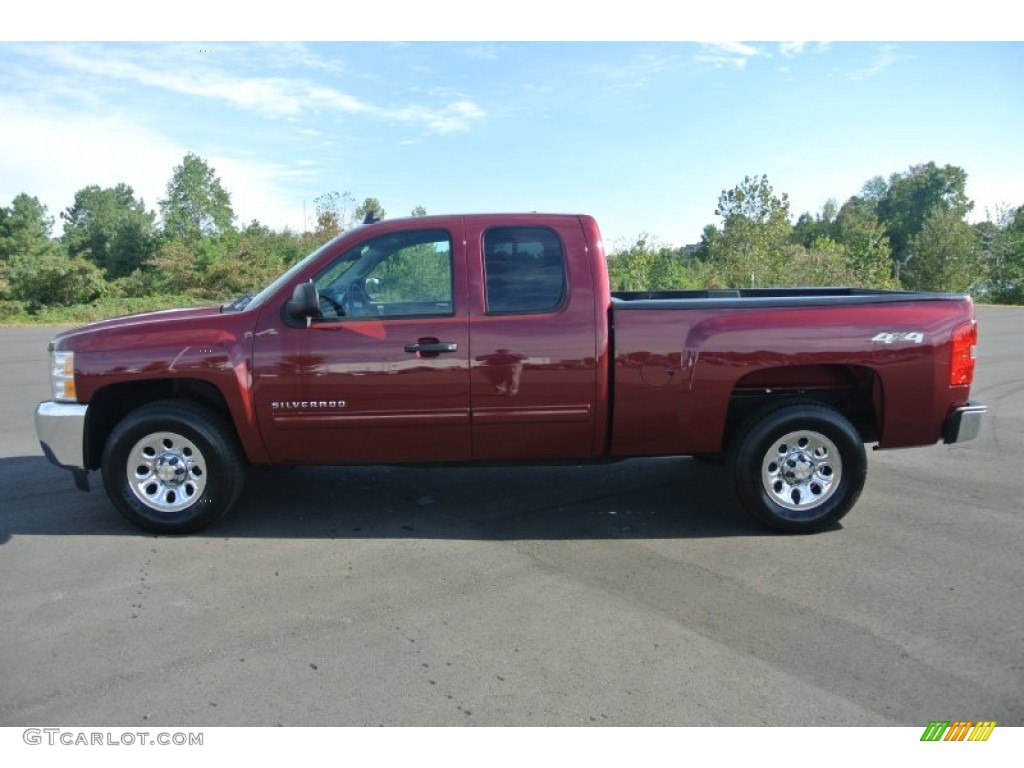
237,305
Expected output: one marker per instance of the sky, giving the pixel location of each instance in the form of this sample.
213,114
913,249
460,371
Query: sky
643,134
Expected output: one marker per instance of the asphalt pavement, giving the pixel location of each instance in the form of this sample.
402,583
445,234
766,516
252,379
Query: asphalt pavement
636,593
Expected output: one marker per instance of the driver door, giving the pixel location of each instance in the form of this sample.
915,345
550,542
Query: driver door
382,375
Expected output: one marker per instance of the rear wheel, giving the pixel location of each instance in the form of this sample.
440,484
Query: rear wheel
798,467
173,467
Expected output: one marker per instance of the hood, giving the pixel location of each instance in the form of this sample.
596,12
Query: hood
128,322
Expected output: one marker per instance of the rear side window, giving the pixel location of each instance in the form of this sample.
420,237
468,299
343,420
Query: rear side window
524,270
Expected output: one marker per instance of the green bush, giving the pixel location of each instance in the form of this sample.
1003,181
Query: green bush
18,313
53,278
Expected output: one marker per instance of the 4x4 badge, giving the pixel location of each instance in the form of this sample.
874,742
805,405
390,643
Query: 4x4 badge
889,337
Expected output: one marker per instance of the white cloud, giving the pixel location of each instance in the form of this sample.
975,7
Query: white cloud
726,54
256,192
52,154
884,58
635,72
295,54
274,97
481,52
791,49
992,192
457,116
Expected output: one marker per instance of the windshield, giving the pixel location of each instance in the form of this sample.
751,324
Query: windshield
263,295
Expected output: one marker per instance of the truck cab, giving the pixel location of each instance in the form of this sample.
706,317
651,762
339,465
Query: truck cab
450,341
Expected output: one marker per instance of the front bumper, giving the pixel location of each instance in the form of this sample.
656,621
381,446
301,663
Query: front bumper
60,428
964,423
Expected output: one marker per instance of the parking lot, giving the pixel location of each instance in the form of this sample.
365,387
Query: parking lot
635,593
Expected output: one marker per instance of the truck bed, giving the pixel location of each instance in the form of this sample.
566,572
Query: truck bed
677,375
739,298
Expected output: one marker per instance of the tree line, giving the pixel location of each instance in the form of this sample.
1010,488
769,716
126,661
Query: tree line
115,255
907,231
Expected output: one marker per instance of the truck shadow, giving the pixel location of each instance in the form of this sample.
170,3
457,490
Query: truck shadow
634,499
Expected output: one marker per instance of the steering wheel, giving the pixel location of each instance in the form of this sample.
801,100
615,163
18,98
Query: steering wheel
358,301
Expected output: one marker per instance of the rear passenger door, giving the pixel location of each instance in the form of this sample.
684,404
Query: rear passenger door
533,373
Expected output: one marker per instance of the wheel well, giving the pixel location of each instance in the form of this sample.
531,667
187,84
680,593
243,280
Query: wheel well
112,403
852,390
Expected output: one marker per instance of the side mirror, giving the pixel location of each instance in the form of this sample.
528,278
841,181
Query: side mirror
305,302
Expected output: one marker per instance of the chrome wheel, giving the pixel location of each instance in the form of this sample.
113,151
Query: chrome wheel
797,466
166,472
801,471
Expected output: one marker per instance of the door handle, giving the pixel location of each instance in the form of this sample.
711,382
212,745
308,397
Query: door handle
431,347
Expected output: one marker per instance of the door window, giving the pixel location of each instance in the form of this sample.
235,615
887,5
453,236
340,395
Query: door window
406,274
524,268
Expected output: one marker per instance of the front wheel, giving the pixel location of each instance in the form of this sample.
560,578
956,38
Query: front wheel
798,467
172,467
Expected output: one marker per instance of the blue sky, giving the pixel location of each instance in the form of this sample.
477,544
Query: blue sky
643,135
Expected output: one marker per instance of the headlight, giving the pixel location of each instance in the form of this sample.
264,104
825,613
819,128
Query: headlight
62,375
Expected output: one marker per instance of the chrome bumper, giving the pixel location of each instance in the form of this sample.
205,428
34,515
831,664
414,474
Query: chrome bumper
964,423
60,428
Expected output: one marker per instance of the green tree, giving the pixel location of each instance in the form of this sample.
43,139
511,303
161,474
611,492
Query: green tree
750,249
196,203
702,251
943,255
217,268
415,273
110,228
54,278
333,214
809,228
911,197
370,205
24,236
1002,254
179,268
419,210
36,269
823,263
647,265
25,228
874,190
858,230
630,267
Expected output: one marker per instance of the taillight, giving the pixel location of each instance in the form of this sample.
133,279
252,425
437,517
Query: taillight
961,364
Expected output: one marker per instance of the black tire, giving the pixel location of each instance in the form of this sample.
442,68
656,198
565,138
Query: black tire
173,466
797,467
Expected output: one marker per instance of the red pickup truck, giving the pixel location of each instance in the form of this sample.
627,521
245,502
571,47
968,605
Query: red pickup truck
495,338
